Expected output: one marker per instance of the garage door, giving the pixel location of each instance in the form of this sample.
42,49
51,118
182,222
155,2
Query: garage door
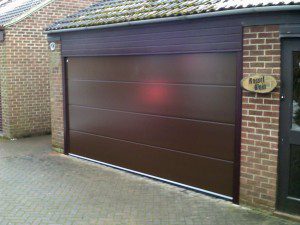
169,116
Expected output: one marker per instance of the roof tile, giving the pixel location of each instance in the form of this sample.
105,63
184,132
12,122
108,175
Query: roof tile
11,9
118,11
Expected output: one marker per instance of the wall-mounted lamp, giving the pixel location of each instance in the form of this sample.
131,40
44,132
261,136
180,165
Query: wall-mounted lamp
1,35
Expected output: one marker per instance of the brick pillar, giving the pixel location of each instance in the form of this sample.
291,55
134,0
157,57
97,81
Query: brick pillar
260,119
56,98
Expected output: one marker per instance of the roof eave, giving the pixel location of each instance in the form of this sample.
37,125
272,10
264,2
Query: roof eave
195,16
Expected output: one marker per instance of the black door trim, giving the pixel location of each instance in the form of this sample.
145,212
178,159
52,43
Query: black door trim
65,104
285,203
238,129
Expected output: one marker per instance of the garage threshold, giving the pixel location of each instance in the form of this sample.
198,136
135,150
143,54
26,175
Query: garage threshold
210,193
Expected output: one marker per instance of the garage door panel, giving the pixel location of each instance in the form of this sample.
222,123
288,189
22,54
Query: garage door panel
209,174
202,138
205,68
185,101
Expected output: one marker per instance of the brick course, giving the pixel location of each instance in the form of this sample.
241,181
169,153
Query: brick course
260,119
25,85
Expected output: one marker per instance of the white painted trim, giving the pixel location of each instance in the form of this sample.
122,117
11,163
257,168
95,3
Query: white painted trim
28,13
154,177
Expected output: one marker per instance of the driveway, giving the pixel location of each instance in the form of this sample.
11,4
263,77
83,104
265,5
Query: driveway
38,186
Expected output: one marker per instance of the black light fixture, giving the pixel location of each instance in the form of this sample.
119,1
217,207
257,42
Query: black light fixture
1,34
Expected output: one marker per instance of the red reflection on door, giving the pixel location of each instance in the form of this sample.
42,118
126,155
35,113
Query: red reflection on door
155,93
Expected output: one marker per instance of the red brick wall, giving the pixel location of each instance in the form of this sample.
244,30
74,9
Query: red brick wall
260,119
25,75
57,113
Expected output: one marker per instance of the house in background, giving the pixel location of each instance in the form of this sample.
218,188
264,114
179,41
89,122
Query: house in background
24,72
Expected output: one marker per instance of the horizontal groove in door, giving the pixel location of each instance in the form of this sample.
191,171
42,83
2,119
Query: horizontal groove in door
148,82
185,101
213,140
165,149
200,172
201,68
153,115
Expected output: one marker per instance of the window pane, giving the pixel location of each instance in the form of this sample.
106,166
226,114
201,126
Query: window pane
296,91
294,183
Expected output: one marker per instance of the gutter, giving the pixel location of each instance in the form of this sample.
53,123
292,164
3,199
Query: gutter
187,17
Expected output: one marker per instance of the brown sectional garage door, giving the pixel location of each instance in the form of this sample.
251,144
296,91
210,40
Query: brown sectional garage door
170,116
